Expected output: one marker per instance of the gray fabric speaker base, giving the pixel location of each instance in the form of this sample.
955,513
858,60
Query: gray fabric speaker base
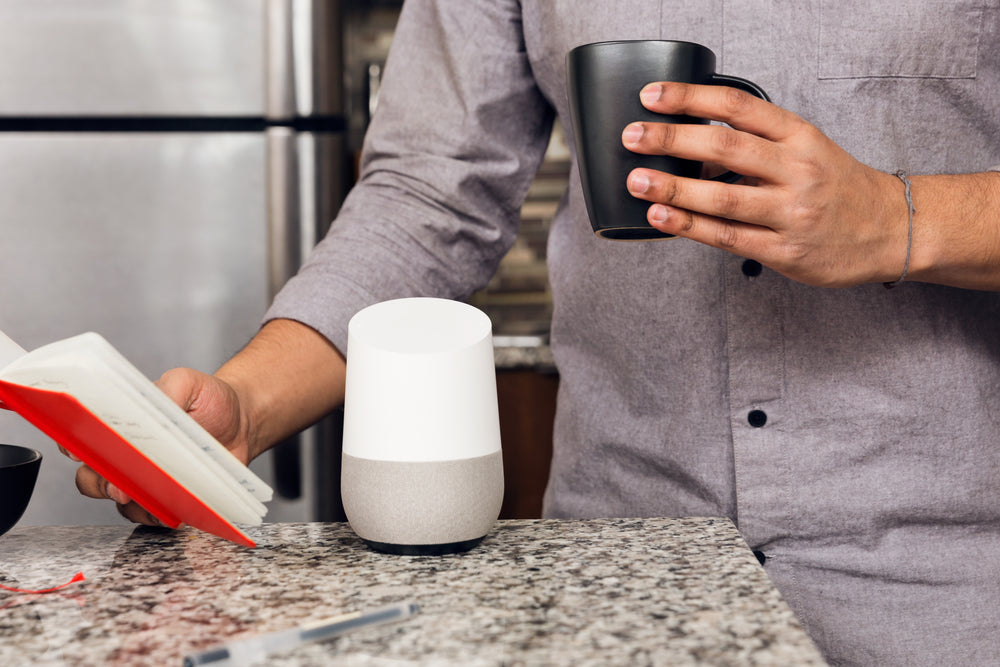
422,504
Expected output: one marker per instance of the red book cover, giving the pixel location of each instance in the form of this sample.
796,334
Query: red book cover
79,431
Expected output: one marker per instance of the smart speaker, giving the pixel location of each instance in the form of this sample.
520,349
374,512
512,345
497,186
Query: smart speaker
422,471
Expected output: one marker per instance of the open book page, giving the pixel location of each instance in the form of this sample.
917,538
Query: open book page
123,415
92,343
73,367
180,439
9,350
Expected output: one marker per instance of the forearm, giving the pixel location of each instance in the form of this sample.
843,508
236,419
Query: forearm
287,377
956,230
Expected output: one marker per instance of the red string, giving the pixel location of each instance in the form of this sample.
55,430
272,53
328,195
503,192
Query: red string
76,577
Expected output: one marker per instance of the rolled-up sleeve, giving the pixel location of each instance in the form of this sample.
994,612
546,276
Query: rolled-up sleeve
460,130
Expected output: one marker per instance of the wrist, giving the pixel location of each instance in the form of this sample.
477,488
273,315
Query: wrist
246,411
956,236
287,378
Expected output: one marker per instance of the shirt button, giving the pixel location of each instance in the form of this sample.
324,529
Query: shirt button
761,558
757,418
751,268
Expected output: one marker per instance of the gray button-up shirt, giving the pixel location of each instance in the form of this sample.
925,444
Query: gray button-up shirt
873,484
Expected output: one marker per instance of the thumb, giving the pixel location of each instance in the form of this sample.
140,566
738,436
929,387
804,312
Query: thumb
210,401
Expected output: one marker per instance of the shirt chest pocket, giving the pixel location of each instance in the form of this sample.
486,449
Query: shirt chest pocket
905,39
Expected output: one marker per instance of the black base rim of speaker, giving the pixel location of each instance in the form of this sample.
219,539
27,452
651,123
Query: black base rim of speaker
423,549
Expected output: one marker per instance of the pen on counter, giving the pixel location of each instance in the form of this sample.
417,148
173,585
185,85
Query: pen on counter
255,649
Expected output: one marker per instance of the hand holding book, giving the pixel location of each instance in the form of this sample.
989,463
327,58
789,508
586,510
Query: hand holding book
208,401
95,404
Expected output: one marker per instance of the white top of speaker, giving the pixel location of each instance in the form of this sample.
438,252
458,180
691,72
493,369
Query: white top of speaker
421,382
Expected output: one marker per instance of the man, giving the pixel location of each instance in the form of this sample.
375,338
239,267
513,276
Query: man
851,433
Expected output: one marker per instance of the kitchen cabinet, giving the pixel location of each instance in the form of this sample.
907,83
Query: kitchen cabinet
527,401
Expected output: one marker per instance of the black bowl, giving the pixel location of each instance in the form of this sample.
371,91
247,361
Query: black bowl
18,472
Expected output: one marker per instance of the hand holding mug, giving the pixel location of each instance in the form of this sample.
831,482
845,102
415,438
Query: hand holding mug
604,80
808,209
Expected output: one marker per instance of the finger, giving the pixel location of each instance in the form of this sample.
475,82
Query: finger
740,238
92,485
136,514
182,386
722,200
116,494
89,483
210,401
744,153
69,454
735,107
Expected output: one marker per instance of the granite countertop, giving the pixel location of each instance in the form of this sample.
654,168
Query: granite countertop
545,592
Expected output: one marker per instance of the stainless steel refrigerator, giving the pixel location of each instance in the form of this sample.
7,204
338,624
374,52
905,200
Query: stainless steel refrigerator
164,165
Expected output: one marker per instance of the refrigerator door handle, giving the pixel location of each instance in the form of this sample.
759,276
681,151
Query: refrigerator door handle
284,248
280,83
304,51
284,213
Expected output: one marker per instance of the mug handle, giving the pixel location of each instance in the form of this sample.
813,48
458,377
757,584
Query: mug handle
742,84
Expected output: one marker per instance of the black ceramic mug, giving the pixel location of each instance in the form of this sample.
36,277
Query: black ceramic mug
604,81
